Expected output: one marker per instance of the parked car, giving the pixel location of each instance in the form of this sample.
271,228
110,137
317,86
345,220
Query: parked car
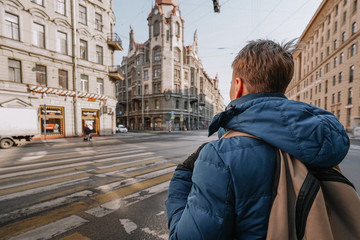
121,128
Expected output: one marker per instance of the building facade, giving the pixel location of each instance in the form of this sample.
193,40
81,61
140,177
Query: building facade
327,66
57,57
165,85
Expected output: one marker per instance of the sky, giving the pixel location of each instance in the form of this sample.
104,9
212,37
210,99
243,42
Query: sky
220,35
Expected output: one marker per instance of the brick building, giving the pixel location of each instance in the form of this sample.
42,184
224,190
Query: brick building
165,83
327,66
57,57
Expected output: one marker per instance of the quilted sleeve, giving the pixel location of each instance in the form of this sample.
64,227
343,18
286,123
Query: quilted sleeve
201,206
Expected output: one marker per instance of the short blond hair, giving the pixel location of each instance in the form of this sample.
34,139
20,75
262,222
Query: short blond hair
265,66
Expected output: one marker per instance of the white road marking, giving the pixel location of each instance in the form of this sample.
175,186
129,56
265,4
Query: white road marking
155,234
25,172
160,213
128,225
52,229
129,200
40,180
42,189
45,205
22,173
124,163
118,158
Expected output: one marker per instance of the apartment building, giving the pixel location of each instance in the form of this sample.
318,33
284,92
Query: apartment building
165,85
57,57
327,66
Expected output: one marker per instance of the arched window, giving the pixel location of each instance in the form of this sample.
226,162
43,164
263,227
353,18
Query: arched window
177,29
177,55
156,28
353,29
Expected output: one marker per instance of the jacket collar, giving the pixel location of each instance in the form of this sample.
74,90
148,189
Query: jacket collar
222,118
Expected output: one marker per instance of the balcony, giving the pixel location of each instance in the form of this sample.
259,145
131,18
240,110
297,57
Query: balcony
202,99
115,72
114,41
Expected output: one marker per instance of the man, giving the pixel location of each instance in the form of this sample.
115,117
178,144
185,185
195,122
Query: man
228,194
87,132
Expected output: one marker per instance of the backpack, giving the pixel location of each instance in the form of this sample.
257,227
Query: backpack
310,202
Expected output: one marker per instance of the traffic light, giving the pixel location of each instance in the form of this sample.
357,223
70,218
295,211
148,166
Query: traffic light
216,6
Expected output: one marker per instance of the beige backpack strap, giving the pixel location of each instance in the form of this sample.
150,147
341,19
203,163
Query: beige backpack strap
232,133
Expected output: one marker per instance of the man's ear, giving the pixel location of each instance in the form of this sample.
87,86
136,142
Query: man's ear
239,87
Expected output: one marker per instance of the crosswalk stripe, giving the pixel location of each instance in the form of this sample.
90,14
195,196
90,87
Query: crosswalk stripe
52,229
42,164
31,223
106,197
56,214
45,205
45,169
48,173
122,166
42,189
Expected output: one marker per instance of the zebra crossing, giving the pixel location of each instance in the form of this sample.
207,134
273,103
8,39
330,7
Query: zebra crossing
47,194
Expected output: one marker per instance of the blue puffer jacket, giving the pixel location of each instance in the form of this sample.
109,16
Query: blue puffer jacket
228,195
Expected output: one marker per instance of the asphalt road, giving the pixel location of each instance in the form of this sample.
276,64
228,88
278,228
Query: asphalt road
110,188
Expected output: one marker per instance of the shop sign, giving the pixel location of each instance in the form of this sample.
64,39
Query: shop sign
89,114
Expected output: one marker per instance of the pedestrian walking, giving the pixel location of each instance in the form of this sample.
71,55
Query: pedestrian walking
87,132
224,189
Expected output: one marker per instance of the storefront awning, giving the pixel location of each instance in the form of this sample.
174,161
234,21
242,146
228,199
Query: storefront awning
63,92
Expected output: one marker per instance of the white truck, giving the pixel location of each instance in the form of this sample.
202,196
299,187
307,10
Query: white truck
17,124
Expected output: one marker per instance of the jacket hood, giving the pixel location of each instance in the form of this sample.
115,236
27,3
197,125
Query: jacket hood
311,134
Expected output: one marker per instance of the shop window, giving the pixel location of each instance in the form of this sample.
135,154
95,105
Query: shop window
52,120
63,79
14,70
90,118
41,75
12,26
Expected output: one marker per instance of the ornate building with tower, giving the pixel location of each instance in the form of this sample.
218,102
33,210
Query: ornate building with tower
165,86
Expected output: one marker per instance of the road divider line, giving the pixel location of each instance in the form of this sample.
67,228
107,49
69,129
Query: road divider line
36,222
75,236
